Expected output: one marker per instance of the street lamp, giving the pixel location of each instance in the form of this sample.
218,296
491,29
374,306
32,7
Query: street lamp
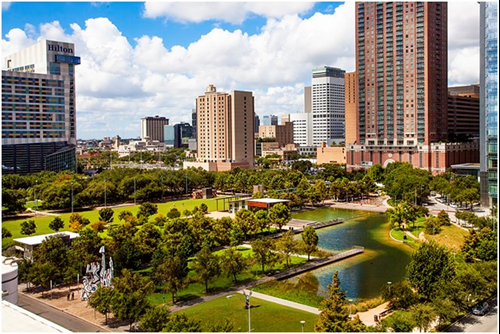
105,193
302,322
135,190
389,284
36,202
350,307
71,196
247,305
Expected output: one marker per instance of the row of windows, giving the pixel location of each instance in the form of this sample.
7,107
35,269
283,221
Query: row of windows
31,134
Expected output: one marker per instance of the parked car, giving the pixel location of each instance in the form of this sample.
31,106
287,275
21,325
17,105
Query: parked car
481,308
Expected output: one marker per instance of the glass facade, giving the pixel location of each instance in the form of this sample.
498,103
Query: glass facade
489,79
169,133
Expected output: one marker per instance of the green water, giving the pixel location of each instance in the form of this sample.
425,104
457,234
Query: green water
362,276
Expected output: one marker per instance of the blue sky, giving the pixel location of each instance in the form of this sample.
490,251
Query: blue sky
155,58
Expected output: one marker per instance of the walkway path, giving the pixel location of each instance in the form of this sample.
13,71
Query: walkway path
284,302
368,317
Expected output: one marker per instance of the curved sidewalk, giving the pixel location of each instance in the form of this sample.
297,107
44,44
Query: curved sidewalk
284,302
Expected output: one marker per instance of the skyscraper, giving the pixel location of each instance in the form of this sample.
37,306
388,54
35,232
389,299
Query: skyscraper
269,120
225,129
327,95
153,128
401,68
39,109
489,102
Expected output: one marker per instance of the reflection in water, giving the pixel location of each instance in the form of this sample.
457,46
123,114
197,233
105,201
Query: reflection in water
363,275
308,282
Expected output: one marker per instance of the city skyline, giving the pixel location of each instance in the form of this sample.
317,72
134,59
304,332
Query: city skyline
149,59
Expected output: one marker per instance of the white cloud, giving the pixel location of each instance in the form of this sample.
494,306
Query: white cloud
463,43
6,5
120,81
232,12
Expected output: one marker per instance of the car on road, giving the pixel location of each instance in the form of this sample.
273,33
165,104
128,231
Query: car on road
481,308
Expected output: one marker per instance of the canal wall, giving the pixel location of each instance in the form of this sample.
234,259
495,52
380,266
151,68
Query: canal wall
317,263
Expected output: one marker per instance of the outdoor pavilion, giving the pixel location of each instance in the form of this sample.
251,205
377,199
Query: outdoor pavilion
254,204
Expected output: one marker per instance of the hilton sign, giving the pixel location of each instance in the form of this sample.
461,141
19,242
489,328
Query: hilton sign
58,48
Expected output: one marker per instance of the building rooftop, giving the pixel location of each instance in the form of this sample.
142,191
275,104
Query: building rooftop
37,239
268,200
469,165
17,319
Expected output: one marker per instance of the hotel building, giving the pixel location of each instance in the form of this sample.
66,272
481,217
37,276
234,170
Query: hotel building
39,109
225,130
327,98
401,69
152,128
489,102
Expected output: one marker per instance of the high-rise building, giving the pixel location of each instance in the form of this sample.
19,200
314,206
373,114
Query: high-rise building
152,128
489,102
351,107
193,123
225,129
307,99
269,120
401,65
282,134
39,109
463,113
256,123
285,119
327,95
302,129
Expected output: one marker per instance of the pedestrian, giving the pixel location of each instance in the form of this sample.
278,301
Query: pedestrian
67,297
72,296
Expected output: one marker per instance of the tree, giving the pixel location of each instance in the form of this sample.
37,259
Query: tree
56,224
262,219
173,213
6,233
173,272
125,214
280,215
203,208
263,251
334,316
146,210
181,323
400,322
443,218
130,301
481,245
225,326
28,227
430,267
106,215
13,201
206,265
400,295
155,319
98,226
53,250
234,263
432,226
287,245
101,301
245,220
310,239
423,314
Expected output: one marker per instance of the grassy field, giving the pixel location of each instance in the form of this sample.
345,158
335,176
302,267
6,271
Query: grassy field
265,316
197,289
42,222
450,236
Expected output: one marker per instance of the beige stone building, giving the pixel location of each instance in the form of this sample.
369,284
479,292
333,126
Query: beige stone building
282,133
225,124
330,155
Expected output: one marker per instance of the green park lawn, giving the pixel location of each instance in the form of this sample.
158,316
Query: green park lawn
42,222
197,289
265,316
450,236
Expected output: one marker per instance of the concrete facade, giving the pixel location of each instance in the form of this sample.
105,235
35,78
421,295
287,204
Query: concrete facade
225,127
153,128
351,107
282,133
330,155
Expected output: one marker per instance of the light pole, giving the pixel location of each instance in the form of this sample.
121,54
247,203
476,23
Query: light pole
36,202
135,190
389,284
105,193
71,196
302,322
186,182
247,305
350,307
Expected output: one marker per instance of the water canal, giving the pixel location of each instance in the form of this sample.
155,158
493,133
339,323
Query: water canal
362,276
